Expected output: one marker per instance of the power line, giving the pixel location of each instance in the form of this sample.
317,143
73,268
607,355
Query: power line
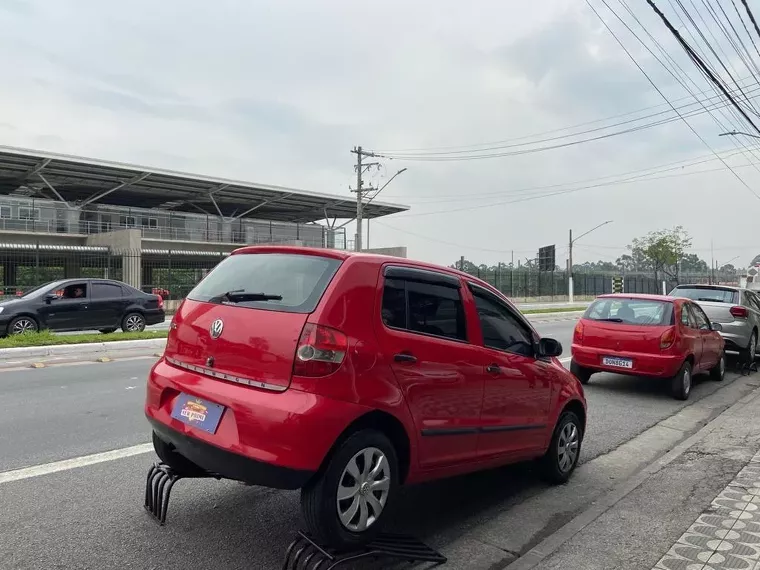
677,69
512,143
633,180
654,85
701,64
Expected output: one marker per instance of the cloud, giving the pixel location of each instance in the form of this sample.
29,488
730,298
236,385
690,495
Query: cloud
279,92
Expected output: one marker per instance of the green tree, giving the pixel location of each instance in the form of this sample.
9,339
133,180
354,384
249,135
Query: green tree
692,263
662,249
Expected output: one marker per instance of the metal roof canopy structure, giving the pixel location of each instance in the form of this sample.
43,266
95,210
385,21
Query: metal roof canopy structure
82,181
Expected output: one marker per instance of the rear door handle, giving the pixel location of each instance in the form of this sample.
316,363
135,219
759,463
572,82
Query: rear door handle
405,357
493,369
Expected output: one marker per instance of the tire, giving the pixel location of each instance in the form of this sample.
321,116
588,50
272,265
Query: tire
133,322
680,385
319,498
23,324
581,373
107,331
175,460
750,353
561,459
718,372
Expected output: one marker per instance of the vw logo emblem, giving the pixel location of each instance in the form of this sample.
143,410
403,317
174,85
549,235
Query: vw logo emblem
216,328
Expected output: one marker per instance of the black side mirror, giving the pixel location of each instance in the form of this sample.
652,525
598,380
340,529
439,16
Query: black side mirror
549,348
50,297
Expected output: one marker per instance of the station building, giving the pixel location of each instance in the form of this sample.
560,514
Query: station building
64,216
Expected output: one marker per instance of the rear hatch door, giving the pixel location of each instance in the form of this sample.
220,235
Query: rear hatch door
627,324
242,323
715,300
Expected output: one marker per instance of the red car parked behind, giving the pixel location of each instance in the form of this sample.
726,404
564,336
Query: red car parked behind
648,335
347,375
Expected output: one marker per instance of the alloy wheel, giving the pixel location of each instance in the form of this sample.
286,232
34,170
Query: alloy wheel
363,489
567,447
24,325
722,365
134,323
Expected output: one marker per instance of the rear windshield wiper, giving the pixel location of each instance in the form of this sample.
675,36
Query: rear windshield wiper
611,320
705,299
241,296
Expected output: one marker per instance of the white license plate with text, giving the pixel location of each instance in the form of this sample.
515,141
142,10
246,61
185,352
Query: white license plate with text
617,362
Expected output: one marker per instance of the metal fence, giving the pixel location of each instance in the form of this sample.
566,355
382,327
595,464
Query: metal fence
553,286
174,273
42,216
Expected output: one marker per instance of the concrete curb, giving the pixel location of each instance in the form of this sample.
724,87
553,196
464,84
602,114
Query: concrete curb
26,352
553,542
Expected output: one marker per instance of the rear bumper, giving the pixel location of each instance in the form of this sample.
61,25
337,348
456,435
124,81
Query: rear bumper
262,436
155,317
228,464
736,334
654,365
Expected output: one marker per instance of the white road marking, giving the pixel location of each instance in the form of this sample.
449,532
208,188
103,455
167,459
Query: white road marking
565,360
75,463
130,387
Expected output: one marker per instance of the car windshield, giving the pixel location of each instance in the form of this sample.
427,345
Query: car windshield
631,311
274,281
710,294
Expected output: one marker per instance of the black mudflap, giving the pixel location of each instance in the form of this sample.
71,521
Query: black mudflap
305,554
158,488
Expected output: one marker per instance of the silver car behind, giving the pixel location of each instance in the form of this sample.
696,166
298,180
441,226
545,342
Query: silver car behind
736,309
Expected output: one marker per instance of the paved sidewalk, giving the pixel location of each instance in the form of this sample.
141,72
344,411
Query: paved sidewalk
727,534
697,508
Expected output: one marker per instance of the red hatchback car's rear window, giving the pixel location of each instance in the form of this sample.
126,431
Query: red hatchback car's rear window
289,283
631,311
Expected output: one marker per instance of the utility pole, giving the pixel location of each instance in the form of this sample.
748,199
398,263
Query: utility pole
712,263
570,284
361,168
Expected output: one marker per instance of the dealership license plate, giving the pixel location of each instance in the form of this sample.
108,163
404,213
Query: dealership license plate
197,412
617,362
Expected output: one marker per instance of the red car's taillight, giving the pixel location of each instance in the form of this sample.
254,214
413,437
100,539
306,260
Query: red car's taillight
160,301
321,351
668,338
578,334
739,312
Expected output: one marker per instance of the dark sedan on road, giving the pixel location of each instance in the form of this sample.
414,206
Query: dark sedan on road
81,304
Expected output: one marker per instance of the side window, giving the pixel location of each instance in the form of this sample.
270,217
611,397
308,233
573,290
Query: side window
686,318
105,291
394,304
699,315
75,291
424,308
501,329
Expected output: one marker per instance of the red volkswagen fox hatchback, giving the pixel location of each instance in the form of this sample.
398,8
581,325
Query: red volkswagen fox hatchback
648,335
347,375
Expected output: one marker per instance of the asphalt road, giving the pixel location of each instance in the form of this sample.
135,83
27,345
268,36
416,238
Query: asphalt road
91,517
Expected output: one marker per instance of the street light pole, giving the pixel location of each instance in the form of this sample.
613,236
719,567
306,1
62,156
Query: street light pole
737,133
570,284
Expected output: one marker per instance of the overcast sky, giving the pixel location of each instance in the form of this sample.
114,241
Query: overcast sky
279,92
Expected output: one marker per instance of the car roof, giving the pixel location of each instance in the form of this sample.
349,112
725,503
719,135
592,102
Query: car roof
377,257
641,296
709,286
